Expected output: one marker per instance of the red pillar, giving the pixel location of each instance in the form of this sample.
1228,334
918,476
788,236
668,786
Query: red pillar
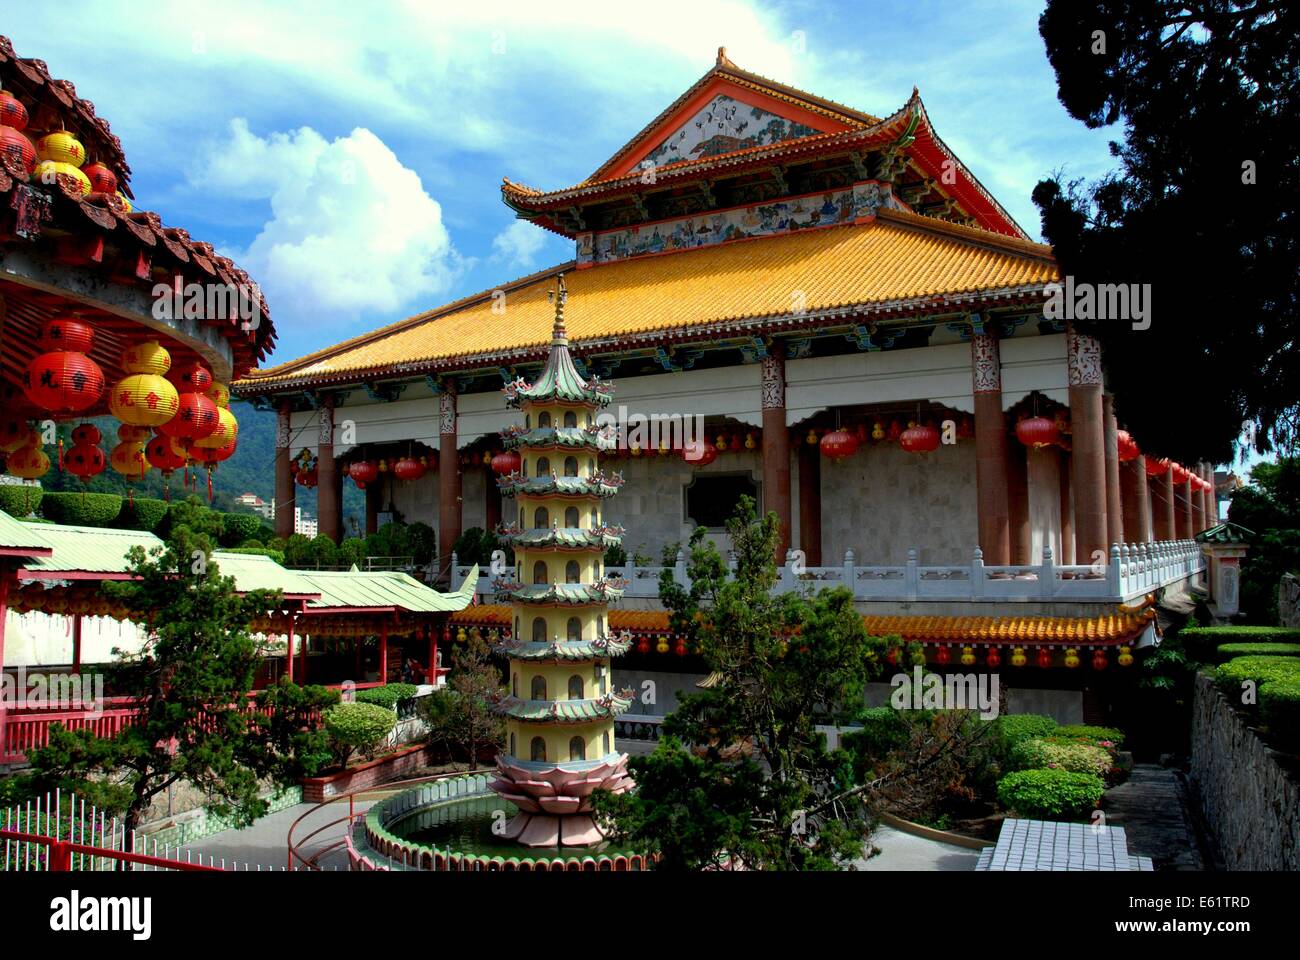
288,649
356,653
990,450
1163,502
302,660
431,634
1135,500
1114,492
1198,503
327,474
776,447
810,504
1089,453
449,497
284,485
492,499
1186,516
76,643
7,576
383,653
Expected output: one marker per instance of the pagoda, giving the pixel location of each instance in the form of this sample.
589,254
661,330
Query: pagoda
560,709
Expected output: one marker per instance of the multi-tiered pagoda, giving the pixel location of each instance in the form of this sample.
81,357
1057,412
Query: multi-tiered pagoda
560,710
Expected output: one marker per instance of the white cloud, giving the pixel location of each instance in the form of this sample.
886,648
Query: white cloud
352,231
518,244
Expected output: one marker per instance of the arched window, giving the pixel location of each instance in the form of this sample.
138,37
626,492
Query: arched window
514,684
538,752
589,420
544,419
577,689
600,625
600,679
543,467
574,628
528,421
571,572
571,517
539,688
570,418
570,466
523,467
516,622
541,519
577,749
539,572
512,745
591,465
539,630
605,738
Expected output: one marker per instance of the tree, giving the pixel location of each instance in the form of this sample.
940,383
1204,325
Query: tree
1204,209
459,715
190,683
743,776
1270,507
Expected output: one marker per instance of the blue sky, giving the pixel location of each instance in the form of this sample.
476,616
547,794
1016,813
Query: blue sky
350,154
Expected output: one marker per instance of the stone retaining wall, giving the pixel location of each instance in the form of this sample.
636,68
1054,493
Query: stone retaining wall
1251,803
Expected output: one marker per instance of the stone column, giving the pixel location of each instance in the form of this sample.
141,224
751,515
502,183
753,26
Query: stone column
1212,493
1067,512
1135,500
284,485
1091,529
1163,503
810,504
1198,503
449,500
327,474
990,449
1018,527
1114,492
776,446
1186,517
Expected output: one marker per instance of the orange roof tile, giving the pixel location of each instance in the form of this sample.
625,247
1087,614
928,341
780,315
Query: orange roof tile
900,262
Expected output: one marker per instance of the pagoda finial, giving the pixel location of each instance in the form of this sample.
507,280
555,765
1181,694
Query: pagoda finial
722,58
559,295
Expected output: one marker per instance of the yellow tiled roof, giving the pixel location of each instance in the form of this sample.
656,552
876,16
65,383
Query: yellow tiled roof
899,258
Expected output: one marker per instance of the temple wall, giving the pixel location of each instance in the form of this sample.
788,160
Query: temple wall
1044,474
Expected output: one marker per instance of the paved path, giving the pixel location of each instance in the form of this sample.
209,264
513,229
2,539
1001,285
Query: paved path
906,851
1151,806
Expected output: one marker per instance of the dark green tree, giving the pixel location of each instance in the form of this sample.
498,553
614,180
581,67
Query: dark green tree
1269,506
742,773
191,682
1203,207
460,715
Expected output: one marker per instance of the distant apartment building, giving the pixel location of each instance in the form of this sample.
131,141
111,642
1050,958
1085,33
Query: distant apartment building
264,509
303,523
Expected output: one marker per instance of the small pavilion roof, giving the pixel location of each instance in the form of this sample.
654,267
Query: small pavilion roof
21,539
1226,532
375,590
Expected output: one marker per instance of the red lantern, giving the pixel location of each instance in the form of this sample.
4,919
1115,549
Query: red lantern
994,659
1157,468
12,112
1037,432
699,453
15,143
196,417
506,463
942,656
839,444
643,645
1128,448
895,430
191,377
102,179
1180,473
680,647
64,379
892,656
1044,658
84,459
1099,659
408,468
919,439
165,454
363,472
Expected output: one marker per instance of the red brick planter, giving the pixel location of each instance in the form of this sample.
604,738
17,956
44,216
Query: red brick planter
369,774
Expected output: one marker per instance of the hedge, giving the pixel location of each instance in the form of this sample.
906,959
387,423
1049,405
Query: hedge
276,555
357,726
1050,794
20,499
389,695
82,509
1083,731
238,527
1201,643
1072,755
143,514
1015,728
1279,707
1228,651
1261,670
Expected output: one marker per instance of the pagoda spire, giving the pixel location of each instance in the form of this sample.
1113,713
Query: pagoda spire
559,336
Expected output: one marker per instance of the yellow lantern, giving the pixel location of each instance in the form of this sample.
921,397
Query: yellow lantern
460,635
635,450
226,433
14,435
661,645
219,394
1125,656
129,460
1072,657
1018,658
749,441
878,431
47,170
722,442
126,202
144,398
811,439
61,147
29,462
968,656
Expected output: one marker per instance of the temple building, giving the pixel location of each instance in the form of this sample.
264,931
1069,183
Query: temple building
857,327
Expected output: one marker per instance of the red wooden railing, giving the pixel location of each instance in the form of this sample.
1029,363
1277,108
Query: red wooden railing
61,852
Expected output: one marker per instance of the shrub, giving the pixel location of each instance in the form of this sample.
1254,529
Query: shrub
276,555
1056,754
389,695
1279,707
1229,650
292,719
1202,642
1050,794
297,550
352,552
196,517
141,514
615,555
1231,675
82,509
20,499
239,527
1017,727
475,545
1083,731
357,727
883,729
